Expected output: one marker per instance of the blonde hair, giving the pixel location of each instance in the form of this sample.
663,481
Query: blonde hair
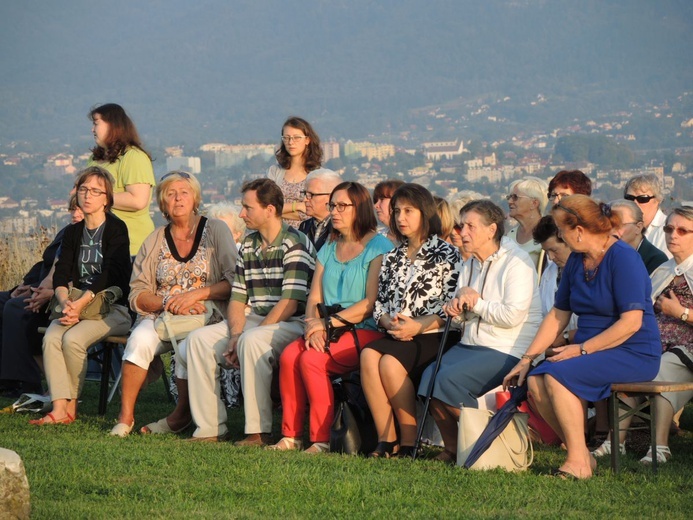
460,199
172,177
226,210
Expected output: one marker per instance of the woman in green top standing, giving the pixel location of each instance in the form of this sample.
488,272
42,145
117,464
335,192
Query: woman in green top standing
119,150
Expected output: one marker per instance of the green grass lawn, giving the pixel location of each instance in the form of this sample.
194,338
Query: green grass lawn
78,471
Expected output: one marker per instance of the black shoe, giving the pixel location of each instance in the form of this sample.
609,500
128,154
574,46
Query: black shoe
405,451
383,450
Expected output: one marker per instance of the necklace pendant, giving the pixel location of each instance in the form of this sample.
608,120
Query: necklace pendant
91,242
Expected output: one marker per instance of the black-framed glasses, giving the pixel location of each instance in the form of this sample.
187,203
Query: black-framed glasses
309,194
94,192
680,231
640,199
287,139
340,206
185,175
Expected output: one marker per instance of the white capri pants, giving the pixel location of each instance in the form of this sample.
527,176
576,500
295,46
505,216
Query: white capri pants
144,343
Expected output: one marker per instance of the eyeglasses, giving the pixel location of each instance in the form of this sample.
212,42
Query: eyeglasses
287,139
457,228
559,196
185,175
341,206
640,199
513,198
682,232
309,194
94,192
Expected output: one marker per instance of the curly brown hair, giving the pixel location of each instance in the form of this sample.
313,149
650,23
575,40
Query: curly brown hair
121,133
312,156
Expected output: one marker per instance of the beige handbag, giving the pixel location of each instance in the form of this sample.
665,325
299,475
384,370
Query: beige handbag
511,450
97,309
175,327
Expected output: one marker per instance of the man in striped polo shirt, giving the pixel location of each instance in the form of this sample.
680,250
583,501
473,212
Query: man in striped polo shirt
273,274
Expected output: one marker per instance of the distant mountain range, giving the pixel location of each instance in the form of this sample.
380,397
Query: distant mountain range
195,71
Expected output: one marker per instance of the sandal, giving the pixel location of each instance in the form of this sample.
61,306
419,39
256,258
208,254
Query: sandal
318,447
663,455
383,450
562,474
161,426
286,444
605,449
122,429
405,451
43,421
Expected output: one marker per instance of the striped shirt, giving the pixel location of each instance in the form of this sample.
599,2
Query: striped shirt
282,272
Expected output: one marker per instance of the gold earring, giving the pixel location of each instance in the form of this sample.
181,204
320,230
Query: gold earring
579,238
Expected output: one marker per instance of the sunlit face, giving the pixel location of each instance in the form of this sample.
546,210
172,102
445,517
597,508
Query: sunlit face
179,199
89,203
559,192
476,235
382,210
520,206
295,141
252,212
342,221
100,129
408,219
649,209
630,231
316,199
680,245
557,251
568,235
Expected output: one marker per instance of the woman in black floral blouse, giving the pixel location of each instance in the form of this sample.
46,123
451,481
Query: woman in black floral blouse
416,279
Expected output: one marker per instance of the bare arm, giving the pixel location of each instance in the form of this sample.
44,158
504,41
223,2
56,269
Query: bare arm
135,197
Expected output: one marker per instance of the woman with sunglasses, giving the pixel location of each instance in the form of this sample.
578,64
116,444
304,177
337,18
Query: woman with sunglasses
605,283
299,153
179,267
672,295
94,255
119,150
346,274
646,192
415,281
527,201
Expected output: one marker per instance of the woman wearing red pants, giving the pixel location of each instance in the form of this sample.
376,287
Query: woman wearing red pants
346,274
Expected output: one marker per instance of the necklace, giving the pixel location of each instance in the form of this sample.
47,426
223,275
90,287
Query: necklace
591,274
93,234
188,237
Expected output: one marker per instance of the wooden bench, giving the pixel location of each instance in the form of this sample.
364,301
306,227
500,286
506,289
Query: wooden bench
648,390
108,345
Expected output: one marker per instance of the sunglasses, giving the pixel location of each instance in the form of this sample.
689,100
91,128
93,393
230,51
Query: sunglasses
640,199
457,228
682,232
180,174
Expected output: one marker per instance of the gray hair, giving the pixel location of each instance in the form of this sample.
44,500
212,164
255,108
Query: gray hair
458,200
629,205
682,211
328,177
535,188
642,182
229,211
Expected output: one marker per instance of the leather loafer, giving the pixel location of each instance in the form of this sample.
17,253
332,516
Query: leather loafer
255,439
218,438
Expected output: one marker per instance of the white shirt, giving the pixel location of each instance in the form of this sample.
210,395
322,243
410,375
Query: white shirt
655,232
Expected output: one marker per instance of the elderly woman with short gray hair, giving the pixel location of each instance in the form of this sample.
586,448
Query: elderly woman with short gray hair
646,192
179,267
527,201
632,232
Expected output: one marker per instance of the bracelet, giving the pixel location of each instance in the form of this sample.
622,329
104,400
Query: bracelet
164,301
528,357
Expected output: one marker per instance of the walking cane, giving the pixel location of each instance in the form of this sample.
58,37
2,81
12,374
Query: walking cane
429,392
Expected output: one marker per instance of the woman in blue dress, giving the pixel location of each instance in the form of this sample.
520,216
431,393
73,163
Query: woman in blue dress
617,340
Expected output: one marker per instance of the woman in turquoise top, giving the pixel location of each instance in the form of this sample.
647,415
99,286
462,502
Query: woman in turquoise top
346,274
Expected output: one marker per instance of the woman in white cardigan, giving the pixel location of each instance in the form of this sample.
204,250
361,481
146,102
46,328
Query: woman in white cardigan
498,289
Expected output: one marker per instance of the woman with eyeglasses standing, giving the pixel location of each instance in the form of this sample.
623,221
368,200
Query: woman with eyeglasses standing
605,283
672,295
346,274
416,279
179,268
119,151
646,192
566,183
382,194
298,154
94,255
527,201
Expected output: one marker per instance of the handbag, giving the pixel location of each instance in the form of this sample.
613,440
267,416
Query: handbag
97,309
511,450
175,327
326,312
353,430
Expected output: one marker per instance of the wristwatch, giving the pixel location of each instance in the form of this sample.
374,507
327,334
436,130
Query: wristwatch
684,316
583,352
